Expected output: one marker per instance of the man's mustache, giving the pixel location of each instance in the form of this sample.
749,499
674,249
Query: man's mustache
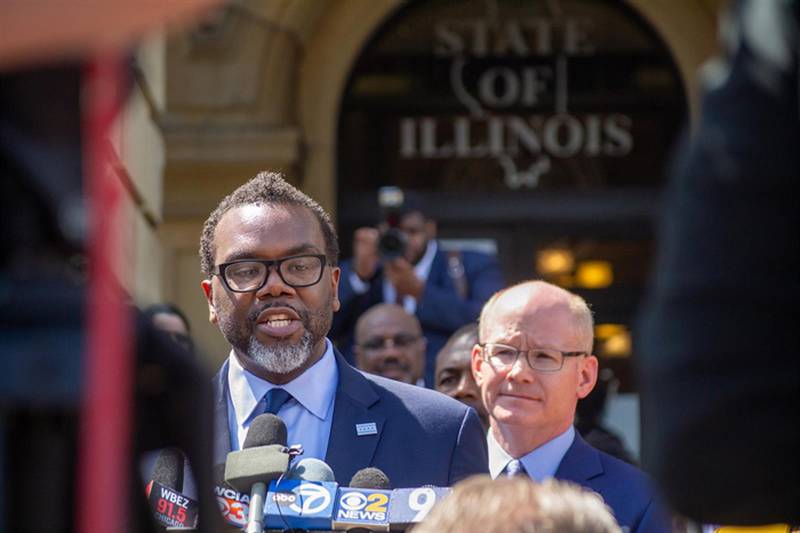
253,315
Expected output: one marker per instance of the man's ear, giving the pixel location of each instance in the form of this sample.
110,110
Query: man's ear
208,290
587,375
477,365
335,275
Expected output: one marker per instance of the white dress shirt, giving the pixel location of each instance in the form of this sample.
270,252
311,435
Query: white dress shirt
307,415
540,464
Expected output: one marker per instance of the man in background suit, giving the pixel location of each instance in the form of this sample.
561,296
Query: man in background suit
445,290
533,363
269,253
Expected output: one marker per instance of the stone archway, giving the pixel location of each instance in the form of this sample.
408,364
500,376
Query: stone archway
688,27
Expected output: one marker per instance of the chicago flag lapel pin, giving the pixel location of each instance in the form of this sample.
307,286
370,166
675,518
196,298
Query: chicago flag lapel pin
369,428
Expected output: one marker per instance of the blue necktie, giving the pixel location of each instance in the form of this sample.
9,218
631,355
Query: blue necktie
273,400
514,468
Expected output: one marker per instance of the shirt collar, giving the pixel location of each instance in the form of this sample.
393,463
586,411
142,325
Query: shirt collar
423,267
314,389
540,463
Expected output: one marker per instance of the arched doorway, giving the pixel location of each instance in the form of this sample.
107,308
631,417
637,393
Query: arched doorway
540,128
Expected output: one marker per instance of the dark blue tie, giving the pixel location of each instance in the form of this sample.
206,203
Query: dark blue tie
515,468
273,400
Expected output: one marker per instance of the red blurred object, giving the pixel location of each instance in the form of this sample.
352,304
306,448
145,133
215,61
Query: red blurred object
108,366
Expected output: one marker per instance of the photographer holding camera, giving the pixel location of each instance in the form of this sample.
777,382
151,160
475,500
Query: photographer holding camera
401,262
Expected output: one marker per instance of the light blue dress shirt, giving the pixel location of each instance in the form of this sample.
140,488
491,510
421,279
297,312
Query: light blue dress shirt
540,464
307,415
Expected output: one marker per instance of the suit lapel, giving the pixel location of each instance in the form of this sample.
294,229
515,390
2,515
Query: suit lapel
581,462
222,440
347,451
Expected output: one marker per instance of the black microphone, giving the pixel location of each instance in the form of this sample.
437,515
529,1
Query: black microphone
263,457
370,478
170,507
168,468
363,506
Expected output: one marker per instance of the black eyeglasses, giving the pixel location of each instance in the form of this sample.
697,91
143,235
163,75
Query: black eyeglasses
401,340
503,357
248,275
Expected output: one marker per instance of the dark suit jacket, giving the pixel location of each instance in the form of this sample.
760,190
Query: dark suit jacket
623,487
441,310
423,437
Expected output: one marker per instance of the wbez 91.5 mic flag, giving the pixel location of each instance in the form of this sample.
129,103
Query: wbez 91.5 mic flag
263,458
171,509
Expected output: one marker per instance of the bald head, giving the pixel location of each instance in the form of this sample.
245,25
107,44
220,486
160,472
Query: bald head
382,313
539,298
389,342
532,399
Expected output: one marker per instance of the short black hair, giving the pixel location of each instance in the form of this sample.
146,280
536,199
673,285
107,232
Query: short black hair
266,188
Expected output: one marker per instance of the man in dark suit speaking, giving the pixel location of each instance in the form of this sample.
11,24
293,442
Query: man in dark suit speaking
269,253
533,363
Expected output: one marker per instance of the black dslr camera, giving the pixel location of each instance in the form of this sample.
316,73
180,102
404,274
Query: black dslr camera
392,240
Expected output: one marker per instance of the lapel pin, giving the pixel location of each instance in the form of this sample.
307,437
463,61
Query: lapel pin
370,428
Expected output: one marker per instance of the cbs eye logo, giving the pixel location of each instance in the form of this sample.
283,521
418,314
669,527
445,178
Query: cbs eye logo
375,502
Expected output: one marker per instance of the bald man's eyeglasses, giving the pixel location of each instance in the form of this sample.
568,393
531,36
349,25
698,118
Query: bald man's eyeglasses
401,340
502,357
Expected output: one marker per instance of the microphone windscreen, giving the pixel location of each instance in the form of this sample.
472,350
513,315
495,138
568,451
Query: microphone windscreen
370,478
265,430
168,469
311,469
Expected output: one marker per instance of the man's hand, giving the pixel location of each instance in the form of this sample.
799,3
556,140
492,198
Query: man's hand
365,252
400,273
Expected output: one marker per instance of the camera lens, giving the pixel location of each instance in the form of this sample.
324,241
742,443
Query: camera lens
392,244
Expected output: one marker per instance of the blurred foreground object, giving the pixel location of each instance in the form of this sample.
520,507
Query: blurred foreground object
71,387
720,368
49,31
519,505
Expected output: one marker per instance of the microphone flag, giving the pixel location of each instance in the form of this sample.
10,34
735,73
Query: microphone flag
171,508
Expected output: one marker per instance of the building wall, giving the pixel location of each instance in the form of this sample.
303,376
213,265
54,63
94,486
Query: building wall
139,146
259,87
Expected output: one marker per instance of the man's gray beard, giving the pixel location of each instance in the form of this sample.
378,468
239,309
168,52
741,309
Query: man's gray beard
281,358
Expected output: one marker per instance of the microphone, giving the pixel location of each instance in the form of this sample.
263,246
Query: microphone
311,469
263,458
304,500
233,505
171,509
370,478
364,505
168,468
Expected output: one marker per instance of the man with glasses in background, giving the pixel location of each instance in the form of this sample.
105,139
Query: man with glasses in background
389,343
533,362
269,253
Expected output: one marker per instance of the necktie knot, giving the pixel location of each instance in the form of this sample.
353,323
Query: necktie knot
273,400
515,468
